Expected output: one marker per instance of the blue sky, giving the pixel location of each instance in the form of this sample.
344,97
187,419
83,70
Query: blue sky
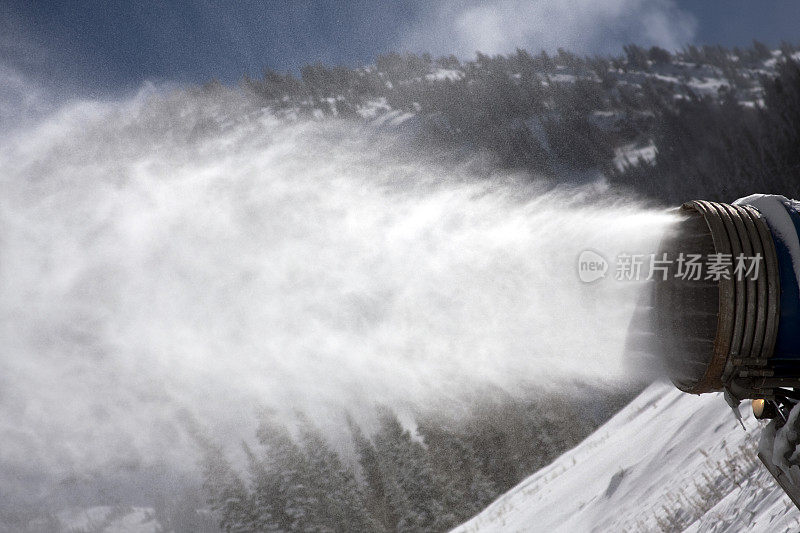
107,45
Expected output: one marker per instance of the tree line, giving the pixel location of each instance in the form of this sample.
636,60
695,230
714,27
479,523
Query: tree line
562,115
430,480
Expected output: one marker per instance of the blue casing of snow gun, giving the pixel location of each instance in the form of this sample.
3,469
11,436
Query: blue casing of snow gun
783,218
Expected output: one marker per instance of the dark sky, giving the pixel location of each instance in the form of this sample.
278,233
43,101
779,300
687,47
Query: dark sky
111,44
738,22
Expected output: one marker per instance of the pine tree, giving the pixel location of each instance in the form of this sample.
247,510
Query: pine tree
229,498
466,489
761,50
375,493
408,478
341,501
283,482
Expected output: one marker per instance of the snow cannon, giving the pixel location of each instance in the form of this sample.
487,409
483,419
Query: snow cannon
727,318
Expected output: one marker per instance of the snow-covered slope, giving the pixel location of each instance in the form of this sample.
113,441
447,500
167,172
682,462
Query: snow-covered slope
669,461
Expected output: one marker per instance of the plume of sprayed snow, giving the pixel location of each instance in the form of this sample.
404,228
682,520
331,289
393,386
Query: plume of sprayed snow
174,257
582,26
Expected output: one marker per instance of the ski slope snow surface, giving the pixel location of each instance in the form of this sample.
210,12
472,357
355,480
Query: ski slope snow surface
668,461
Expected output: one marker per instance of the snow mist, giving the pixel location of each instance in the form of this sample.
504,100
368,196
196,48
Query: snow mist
174,258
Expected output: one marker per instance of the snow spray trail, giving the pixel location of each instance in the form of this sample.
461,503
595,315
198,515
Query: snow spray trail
175,255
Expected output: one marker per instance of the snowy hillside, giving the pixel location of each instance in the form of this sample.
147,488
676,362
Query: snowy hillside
642,121
669,461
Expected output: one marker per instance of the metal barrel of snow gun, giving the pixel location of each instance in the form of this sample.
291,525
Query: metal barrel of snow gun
733,323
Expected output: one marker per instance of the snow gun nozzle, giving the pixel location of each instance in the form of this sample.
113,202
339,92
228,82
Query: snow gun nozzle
726,315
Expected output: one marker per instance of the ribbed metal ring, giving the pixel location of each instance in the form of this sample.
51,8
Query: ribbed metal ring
770,268
747,322
739,290
712,378
751,245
